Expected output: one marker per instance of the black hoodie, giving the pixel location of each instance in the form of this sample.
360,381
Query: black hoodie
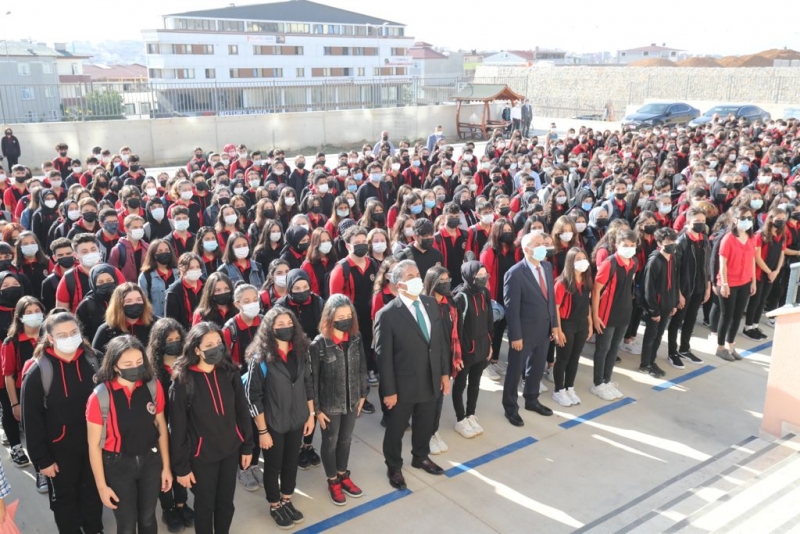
476,322
154,229
308,312
294,234
92,309
43,219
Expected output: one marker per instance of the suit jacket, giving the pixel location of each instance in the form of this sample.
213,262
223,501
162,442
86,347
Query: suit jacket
528,314
527,112
432,140
405,357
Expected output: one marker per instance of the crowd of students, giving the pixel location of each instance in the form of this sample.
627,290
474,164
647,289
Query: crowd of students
190,323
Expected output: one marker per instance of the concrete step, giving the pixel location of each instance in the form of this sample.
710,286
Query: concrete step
782,508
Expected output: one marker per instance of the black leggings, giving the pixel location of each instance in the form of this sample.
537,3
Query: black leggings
497,339
755,307
280,462
177,495
567,358
684,319
731,311
633,325
471,374
10,425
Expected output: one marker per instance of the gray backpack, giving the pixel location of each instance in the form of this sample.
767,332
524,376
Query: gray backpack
46,371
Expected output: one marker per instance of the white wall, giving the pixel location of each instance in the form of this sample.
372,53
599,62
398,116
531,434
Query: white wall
171,141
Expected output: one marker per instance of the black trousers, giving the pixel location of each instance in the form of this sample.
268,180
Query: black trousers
213,494
684,319
731,311
605,353
653,333
531,360
567,358
755,306
336,439
423,414
280,461
73,495
175,496
10,425
309,438
633,324
471,374
497,338
256,448
715,313
137,482
526,128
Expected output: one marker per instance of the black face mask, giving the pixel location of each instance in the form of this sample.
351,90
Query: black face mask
343,325
173,348
385,137
67,262
223,201
90,216
5,265
105,290
443,288
650,229
300,296
214,355
302,247
134,203
222,299
670,249
480,282
507,237
199,157
285,334
558,180
466,205
164,258
379,217
699,228
505,211
602,223
551,252
620,196
453,223
738,185
136,168
796,216
360,250
268,214
241,210
201,186
10,296
426,243
617,170
720,197
63,153
316,210
133,311
20,179
133,374
300,165
779,224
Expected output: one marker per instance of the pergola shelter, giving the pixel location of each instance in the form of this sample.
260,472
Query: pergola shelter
485,93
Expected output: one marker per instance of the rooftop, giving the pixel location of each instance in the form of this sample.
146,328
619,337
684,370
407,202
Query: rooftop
291,11
115,72
422,50
25,48
652,48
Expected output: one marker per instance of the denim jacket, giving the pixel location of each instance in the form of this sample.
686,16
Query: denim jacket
156,290
340,381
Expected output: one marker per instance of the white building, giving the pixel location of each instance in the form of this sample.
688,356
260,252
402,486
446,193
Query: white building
28,83
653,51
293,41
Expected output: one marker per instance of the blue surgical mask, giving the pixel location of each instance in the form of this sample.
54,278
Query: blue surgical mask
358,176
587,206
430,204
744,167
416,210
539,253
756,203
352,188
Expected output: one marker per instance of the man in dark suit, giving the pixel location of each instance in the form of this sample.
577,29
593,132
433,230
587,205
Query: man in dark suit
531,317
527,117
413,361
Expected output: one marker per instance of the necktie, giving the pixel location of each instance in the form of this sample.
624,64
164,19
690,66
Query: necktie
421,321
542,283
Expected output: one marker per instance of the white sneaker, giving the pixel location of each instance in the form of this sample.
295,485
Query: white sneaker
491,374
465,429
473,422
542,387
573,396
548,375
562,398
440,442
434,446
634,347
603,392
500,368
613,387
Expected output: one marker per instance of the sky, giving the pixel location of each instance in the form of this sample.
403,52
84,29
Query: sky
713,27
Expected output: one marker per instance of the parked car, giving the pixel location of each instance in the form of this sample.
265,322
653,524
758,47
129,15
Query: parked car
751,113
660,114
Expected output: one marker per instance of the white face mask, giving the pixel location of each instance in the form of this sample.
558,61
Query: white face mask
566,237
582,266
193,275
50,203
351,202
379,247
289,201
182,225
395,166
487,219
76,170
408,232
280,280
32,320
55,183
254,183
137,233
325,247
90,259
414,286
580,227
238,191
29,250
74,215
627,252
157,213
322,188
69,345
186,195
151,191
230,219
275,236
241,252
251,309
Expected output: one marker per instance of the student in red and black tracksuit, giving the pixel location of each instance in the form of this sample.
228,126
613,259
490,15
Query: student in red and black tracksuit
612,304
16,350
770,245
131,465
55,425
210,427
478,234
660,288
573,290
183,295
166,344
646,227
452,242
74,285
498,256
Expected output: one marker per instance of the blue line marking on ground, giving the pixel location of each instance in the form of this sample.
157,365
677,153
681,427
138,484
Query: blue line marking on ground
597,413
489,456
683,378
756,349
352,513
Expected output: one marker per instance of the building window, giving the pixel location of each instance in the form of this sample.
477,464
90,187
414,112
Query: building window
23,69
152,48
332,71
298,28
156,73
211,74
49,92
184,74
47,68
361,71
30,116
256,73
196,25
389,71
230,25
300,72
26,93
360,31
233,50
333,29
266,27
645,53
145,108
277,50
399,51
622,54
319,29
673,54
129,109
52,115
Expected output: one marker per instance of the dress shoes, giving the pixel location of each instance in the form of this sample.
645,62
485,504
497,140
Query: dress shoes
538,407
396,478
427,465
515,419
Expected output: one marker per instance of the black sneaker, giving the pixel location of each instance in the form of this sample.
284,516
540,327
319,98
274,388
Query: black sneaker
187,515
751,333
302,460
759,333
383,422
313,457
292,512
689,355
644,369
41,483
280,516
172,518
368,407
619,360
706,323
654,368
19,458
675,361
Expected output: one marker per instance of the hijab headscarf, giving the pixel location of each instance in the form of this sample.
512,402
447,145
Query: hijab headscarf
295,234
94,274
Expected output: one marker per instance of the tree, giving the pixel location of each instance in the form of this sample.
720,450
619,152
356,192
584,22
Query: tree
105,104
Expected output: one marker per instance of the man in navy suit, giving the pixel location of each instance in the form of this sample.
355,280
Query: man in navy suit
434,138
531,317
414,364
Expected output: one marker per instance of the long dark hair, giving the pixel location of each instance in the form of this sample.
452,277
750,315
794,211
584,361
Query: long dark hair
114,351
19,310
568,277
158,339
50,323
264,346
206,308
190,358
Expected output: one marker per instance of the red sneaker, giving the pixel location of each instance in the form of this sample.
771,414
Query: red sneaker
335,492
348,486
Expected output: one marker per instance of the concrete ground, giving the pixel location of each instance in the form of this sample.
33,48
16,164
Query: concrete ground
555,474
